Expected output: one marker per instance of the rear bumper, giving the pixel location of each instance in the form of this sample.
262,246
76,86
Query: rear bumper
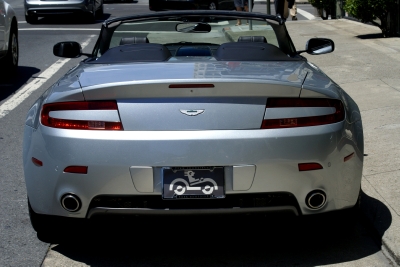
48,8
129,163
142,211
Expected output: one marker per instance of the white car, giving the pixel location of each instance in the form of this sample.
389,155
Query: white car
8,39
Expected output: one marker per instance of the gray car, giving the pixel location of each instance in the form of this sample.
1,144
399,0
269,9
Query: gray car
9,52
185,113
34,9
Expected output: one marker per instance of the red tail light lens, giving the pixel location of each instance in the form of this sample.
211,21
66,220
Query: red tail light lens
309,166
37,162
76,169
79,124
303,121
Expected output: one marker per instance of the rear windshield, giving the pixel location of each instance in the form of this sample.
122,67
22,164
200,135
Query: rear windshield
178,38
173,32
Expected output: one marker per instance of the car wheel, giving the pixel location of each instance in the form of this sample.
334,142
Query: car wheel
100,11
91,17
31,19
10,61
212,5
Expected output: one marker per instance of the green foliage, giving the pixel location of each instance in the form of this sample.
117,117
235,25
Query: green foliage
371,11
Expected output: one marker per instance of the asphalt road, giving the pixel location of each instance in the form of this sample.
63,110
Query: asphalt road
266,241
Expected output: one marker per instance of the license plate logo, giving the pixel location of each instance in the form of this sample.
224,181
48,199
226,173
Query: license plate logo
193,183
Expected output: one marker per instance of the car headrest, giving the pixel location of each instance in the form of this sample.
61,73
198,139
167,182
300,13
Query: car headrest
133,40
257,39
134,53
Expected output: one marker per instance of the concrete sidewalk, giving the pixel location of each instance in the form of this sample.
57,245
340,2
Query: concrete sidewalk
368,68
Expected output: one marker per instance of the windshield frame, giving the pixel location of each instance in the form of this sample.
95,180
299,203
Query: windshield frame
277,24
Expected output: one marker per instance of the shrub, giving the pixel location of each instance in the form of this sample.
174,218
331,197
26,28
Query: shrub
371,11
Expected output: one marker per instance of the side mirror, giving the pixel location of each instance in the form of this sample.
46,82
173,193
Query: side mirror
319,46
67,49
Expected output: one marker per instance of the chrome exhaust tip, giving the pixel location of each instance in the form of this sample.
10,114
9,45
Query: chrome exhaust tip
71,202
316,199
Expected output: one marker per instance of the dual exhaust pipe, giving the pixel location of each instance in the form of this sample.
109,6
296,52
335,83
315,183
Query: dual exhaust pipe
71,202
316,199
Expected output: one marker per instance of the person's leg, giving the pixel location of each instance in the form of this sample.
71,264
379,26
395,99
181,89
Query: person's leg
293,11
238,5
246,8
281,8
239,22
278,7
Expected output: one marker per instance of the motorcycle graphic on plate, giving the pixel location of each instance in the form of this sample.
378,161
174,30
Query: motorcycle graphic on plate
193,183
180,190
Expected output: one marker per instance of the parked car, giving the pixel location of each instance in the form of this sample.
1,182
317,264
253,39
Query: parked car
163,5
8,39
91,9
185,113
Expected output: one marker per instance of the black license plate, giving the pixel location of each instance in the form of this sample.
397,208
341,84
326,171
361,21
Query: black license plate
186,183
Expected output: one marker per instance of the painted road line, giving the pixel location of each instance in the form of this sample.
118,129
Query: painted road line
306,14
57,29
35,84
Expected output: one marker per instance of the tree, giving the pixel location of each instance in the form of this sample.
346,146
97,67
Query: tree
371,11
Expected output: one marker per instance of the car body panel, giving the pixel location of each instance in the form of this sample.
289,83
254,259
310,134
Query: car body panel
7,16
47,8
109,170
190,113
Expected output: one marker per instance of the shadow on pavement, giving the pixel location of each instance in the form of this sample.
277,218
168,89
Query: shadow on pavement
11,85
376,215
370,36
70,20
254,240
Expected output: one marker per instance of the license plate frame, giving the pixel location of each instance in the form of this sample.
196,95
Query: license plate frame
193,182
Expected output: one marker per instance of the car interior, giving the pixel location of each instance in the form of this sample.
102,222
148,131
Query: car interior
139,49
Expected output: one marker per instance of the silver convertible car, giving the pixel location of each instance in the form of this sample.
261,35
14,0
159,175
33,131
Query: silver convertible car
185,113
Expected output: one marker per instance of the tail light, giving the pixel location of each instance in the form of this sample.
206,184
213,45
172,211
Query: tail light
78,124
273,103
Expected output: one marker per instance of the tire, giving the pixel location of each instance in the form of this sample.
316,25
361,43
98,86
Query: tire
91,16
213,5
31,19
9,63
100,11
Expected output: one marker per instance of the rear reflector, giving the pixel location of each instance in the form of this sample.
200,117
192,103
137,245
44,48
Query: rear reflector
309,166
348,157
303,121
79,124
191,86
37,162
76,169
